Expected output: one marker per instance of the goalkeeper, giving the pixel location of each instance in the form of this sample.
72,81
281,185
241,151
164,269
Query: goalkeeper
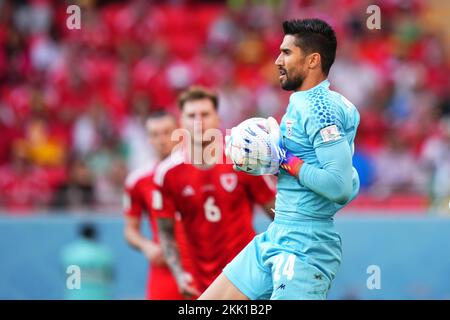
299,254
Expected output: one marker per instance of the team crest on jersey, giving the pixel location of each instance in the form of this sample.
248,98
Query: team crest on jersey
229,181
289,124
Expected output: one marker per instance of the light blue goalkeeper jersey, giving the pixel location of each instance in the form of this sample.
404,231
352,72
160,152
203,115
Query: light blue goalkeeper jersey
319,127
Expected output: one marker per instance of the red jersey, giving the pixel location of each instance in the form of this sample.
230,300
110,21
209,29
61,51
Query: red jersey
139,188
138,197
216,209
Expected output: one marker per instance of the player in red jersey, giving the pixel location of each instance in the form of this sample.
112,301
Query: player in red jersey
214,201
139,188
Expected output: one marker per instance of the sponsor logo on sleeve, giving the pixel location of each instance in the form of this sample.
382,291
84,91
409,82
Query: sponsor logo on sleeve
330,133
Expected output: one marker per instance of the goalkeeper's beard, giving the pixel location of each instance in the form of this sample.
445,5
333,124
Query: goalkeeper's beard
292,84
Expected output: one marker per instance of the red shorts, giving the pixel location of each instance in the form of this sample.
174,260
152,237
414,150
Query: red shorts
161,284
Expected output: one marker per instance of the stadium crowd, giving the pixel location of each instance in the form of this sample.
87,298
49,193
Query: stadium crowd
73,103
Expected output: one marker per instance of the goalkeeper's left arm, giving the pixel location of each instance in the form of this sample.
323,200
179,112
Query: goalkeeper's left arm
334,179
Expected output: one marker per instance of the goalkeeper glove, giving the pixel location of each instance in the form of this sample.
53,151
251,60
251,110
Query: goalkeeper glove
279,155
251,148
287,160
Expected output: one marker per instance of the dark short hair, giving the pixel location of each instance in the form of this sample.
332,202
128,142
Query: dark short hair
197,93
88,230
314,35
160,114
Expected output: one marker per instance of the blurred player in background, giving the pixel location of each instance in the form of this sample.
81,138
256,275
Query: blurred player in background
215,202
139,187
96,266
300,253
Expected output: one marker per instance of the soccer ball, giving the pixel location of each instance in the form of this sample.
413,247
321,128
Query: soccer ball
252,146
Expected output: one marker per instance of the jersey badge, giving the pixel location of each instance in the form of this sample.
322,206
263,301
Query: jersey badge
229,181
289,124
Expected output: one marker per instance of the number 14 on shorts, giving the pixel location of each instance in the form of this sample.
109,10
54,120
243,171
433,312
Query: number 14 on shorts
283,266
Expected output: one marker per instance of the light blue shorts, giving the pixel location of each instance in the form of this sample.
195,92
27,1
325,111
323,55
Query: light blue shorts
289,261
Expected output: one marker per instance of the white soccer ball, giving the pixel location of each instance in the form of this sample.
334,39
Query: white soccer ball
252,146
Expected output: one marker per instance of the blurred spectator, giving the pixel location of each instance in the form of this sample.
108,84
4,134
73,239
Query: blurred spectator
78,191
109,185
134,135
86,92
395,169
42,149
234,105
23,185
366,171
353,77
91,130
95,264
436,160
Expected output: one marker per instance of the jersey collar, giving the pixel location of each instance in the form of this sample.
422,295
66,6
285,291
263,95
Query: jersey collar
324,84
